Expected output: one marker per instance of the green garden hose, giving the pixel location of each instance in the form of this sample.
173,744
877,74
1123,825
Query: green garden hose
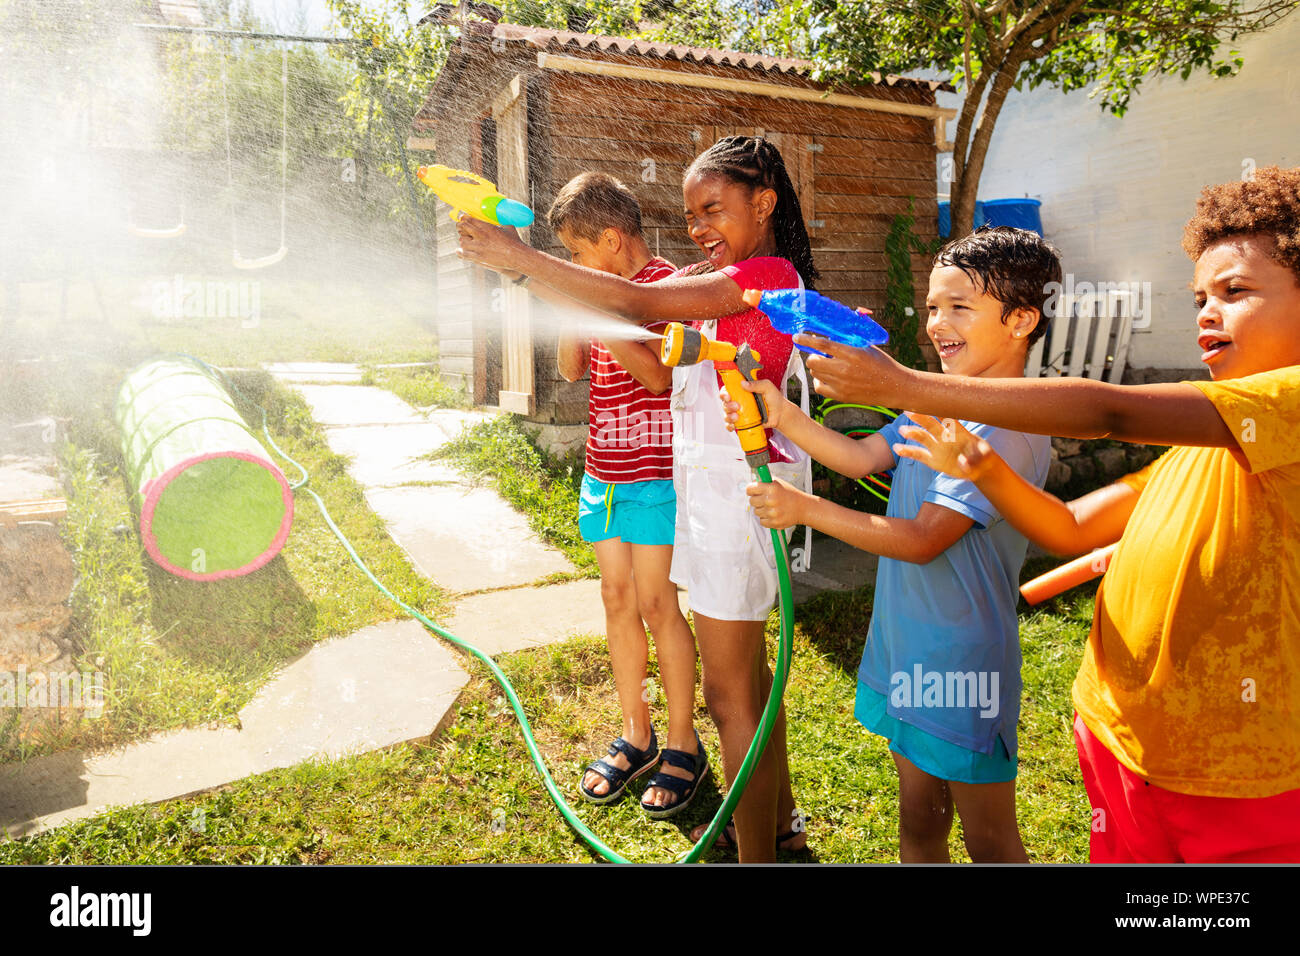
785,648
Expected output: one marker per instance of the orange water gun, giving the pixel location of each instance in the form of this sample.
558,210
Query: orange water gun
736,364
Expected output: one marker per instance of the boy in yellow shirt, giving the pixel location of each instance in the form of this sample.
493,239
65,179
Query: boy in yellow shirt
1188,699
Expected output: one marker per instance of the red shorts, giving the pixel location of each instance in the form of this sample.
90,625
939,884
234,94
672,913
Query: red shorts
1137,822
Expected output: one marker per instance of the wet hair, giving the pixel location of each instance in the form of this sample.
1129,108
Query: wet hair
754,162
1017,267
1268,204
590,203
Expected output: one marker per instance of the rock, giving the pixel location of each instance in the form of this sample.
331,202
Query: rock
25,478
559,440
35,568
1113,462
1058,476
1082,467
33,638
1067,447
1139,456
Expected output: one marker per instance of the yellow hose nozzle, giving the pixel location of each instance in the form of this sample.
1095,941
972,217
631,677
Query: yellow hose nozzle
736,364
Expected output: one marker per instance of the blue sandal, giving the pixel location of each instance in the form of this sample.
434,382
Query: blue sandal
684,789
639,761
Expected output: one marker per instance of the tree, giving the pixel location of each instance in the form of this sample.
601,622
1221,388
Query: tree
397,58
990,47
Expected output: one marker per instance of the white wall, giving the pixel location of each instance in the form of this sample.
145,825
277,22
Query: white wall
1116,191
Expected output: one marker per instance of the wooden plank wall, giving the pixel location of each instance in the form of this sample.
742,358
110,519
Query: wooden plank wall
854,169
457,280
468,330
510,110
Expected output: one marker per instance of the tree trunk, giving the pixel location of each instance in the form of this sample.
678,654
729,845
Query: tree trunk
966,173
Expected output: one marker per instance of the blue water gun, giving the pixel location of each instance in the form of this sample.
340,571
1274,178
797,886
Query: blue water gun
797,310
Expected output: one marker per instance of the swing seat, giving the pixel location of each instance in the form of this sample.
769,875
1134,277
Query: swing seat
239,262
172,233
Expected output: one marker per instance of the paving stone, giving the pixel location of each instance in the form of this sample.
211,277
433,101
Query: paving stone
383,685
501,621
315,372
358,405
465,539
387,455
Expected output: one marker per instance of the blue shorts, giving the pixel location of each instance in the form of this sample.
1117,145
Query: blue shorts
925,751
638,512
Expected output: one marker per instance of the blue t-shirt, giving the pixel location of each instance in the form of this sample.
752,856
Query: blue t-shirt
944,640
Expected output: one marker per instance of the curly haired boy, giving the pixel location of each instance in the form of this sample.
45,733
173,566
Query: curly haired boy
1188,699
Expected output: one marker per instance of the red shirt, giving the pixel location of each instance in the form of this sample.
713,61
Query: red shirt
752,327
630,432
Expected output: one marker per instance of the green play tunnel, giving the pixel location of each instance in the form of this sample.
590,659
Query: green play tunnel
212,504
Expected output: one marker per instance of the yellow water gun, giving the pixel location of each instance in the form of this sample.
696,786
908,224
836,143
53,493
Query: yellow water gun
472,195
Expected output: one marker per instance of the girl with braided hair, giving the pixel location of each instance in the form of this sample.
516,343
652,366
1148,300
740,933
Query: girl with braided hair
743,213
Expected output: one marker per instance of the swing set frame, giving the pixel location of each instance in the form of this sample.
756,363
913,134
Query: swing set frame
241,262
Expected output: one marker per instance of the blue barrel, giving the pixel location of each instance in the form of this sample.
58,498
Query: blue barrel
945,217
1020,213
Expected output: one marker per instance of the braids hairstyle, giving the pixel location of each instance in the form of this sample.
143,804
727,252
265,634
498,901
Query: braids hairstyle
754,162
1017,267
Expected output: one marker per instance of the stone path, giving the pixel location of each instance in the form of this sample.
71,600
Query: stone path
383,685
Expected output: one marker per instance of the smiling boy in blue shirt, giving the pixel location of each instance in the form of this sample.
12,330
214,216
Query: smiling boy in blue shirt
940,673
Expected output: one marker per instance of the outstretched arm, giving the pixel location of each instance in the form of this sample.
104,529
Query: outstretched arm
1093,521
919,540
668,300
1171,414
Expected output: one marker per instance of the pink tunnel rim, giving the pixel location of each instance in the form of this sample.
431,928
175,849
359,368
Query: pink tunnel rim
154,490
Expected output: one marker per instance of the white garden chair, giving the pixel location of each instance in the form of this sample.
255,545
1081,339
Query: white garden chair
1089,336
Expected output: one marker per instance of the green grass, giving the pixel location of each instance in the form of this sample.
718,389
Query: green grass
177,652
344,319
473,795
545,488
180,653
420,387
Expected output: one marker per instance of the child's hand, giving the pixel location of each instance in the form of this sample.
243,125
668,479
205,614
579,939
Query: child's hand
946,446
765,390
496,247
778,504
848,374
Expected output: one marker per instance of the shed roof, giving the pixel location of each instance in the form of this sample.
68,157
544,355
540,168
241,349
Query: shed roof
478,34
562,41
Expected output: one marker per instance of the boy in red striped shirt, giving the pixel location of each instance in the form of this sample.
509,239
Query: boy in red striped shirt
628,508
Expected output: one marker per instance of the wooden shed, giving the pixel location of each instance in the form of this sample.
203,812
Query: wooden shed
530,108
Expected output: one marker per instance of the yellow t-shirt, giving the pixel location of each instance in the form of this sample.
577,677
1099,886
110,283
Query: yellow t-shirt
1191,676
